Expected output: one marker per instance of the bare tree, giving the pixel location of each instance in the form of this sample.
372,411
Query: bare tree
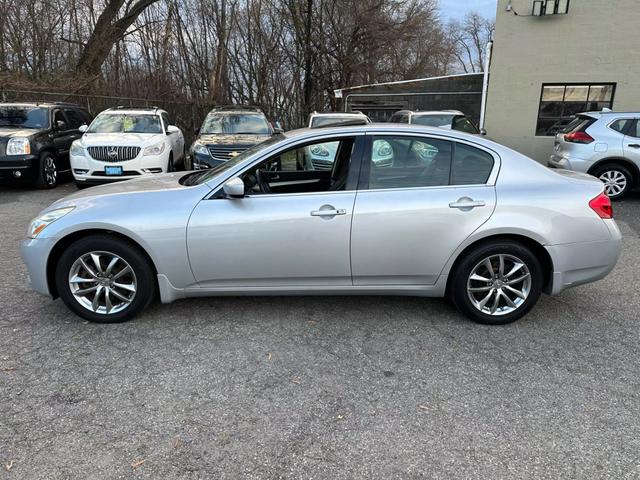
469,40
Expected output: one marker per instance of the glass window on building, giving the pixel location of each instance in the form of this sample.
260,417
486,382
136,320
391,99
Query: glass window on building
559,104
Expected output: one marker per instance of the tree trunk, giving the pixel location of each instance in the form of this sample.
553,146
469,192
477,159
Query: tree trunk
107,32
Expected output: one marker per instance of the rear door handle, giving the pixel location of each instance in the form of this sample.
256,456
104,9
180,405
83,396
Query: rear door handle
328,213
634,145
467,203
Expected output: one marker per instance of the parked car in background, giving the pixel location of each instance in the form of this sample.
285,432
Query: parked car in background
227,132
321,156
605,144
35,138
480,223
125,142
449,119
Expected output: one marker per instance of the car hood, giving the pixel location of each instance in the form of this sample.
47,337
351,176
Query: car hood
9,132
232,139
147,183
120,139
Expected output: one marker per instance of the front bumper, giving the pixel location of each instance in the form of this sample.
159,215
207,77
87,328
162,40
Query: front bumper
92,172
18,167
203,162
35,254
584,262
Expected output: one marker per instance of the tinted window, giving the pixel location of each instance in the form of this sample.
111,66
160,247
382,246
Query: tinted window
238,124
86,117
471,166
621,125
75,120
634,130
24,117
58,116
463,124
403,162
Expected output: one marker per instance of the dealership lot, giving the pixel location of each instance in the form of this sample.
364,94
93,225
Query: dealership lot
313,387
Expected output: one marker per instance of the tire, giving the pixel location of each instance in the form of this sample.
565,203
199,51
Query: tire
47,175
490,288
118,287
81,185
170,166
617,179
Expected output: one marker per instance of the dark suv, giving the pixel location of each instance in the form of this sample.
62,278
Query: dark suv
35,139
227,132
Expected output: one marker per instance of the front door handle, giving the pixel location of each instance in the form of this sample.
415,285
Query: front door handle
328,211
466,203
634,145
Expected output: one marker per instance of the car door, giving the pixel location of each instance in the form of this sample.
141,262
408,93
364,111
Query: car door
413,212
63,136
631,142
295,236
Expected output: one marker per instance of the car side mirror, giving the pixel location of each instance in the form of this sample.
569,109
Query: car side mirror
61,125
172,129
277,131
483,131
83,128
234,188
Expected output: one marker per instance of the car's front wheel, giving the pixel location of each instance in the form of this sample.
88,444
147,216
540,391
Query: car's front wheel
47,175
497,283
104,279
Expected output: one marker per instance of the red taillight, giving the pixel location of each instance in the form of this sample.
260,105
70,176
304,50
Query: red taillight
578,137
602,206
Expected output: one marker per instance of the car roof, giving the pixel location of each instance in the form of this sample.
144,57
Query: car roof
338,114
134,110
41,104
435,112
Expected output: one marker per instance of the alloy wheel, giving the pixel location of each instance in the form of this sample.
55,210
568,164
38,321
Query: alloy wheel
102,282
50,171
499,284
615,182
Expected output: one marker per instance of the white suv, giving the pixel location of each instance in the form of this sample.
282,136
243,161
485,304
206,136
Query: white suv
126,142
605,144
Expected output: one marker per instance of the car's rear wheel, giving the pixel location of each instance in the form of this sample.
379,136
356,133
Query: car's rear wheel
497,283
104,279
617,180
47,176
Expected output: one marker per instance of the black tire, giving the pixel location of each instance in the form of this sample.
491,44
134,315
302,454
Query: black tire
615,168
81,185
170,166
460,296
47,175
127,251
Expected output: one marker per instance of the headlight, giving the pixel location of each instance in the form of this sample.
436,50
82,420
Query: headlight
156,149
76,149
38,224
201,149
18,146
320,150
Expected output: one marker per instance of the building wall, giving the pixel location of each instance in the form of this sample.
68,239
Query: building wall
597,41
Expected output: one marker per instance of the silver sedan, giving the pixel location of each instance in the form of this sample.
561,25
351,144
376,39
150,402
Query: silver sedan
473,221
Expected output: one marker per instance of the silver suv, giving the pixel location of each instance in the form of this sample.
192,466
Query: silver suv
604,144
449,119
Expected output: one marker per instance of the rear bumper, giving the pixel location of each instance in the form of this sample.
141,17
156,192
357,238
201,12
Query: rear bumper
579,263
568,162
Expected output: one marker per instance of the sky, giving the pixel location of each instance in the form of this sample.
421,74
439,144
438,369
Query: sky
456,9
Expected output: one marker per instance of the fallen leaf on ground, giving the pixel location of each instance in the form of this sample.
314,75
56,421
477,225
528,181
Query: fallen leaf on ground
9,369
296,381
9,465
269,355
177,442
312,322
138,463
424,407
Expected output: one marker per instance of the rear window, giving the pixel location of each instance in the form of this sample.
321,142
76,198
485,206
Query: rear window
433,120
331,121
578,124
621,125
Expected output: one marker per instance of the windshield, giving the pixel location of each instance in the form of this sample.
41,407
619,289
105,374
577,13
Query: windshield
432,120
235,124
198,178
125,123
334,120
23,117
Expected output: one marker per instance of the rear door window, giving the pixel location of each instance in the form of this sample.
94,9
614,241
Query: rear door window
75,120
622,125
471,166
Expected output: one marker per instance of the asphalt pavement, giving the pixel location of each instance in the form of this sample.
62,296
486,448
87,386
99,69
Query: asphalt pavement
318,387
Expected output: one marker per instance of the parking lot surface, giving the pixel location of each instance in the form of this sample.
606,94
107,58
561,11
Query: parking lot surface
318,387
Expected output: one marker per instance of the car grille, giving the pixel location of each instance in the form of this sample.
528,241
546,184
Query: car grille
321,165
223,152
113,154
